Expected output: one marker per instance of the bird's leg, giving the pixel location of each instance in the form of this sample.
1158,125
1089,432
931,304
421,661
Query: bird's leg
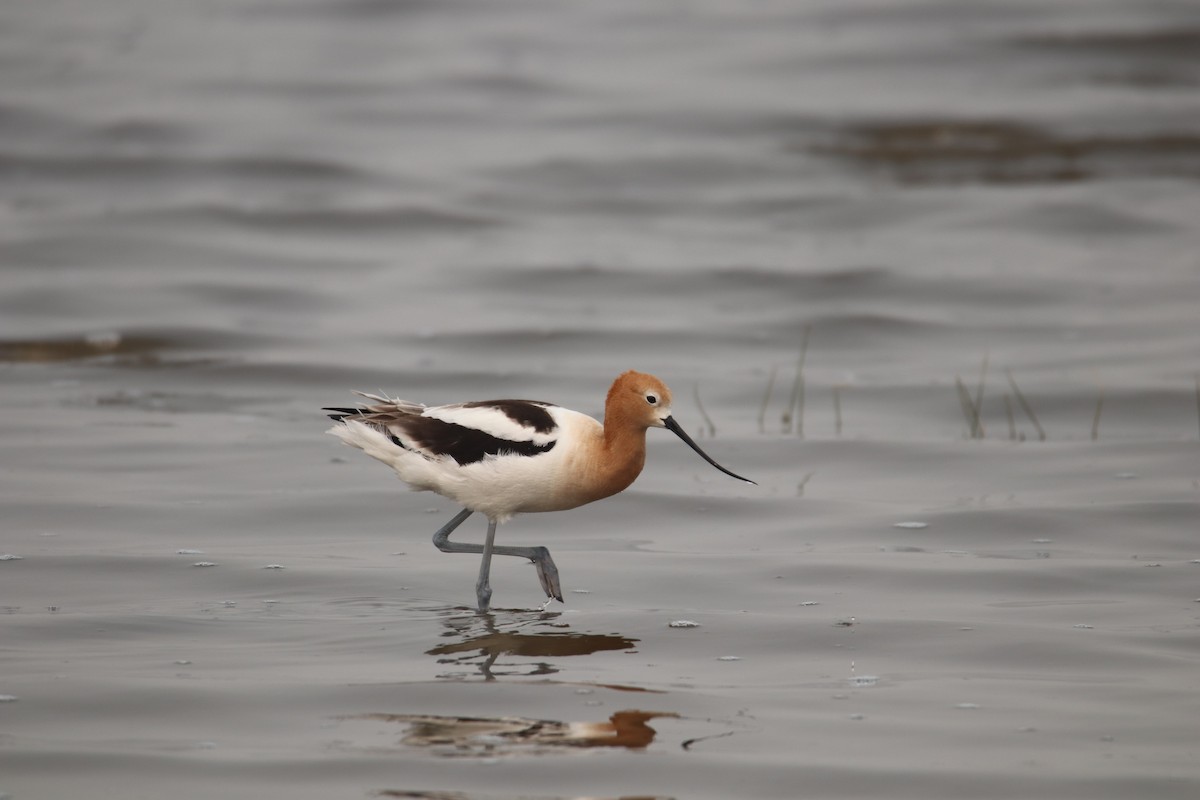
547,572
441,539
540,556
483,586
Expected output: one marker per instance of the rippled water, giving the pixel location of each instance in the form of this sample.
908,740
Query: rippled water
927,271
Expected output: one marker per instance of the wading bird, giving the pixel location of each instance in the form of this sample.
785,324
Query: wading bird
507,457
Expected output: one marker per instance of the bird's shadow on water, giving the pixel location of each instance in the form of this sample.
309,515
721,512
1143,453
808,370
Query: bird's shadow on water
515,643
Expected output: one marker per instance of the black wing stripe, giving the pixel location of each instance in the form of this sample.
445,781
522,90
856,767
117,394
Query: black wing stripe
465,445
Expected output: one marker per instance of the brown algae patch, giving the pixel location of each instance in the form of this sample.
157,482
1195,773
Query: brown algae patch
949,151
92,345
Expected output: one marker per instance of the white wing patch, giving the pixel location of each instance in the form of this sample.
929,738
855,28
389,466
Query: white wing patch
492,420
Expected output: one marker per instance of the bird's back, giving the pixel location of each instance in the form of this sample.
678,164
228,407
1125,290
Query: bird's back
498,457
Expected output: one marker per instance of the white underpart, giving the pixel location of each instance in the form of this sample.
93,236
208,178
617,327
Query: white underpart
497,486
490,420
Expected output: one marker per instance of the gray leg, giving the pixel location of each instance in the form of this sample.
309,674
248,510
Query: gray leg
483,586
441,539
540,556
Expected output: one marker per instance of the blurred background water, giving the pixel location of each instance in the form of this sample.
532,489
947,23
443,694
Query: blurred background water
970,227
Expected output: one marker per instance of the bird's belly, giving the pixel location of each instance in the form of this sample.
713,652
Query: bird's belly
515,484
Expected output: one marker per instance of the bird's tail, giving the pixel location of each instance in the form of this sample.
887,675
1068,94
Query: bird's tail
344,413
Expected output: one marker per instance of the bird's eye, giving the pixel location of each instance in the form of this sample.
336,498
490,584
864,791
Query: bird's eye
652,399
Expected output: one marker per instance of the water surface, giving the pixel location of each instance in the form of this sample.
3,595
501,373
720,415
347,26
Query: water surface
971,565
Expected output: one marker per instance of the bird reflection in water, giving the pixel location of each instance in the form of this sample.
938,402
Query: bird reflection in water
477,736
481,641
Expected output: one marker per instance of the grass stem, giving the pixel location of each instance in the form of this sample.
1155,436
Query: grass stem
983,370
1028,409
837,410
762,411
968,408
793,417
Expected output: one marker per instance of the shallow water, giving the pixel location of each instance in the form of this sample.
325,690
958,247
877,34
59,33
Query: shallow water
217,218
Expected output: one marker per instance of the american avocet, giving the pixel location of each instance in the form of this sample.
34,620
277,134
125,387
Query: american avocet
505,457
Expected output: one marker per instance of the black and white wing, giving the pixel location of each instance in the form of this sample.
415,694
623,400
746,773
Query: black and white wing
464,432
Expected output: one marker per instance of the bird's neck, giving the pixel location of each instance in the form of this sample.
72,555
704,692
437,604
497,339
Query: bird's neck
624,454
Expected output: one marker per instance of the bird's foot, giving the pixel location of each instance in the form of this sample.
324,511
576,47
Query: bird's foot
548,574
483,597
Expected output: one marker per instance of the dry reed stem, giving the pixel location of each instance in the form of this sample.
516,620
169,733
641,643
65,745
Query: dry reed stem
1028,409
968,408
799,394
762,411
837,410
983,370
794,415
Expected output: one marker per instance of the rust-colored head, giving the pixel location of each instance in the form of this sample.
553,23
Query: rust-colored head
640,401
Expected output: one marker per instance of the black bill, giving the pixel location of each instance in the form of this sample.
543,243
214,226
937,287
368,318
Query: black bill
673,426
